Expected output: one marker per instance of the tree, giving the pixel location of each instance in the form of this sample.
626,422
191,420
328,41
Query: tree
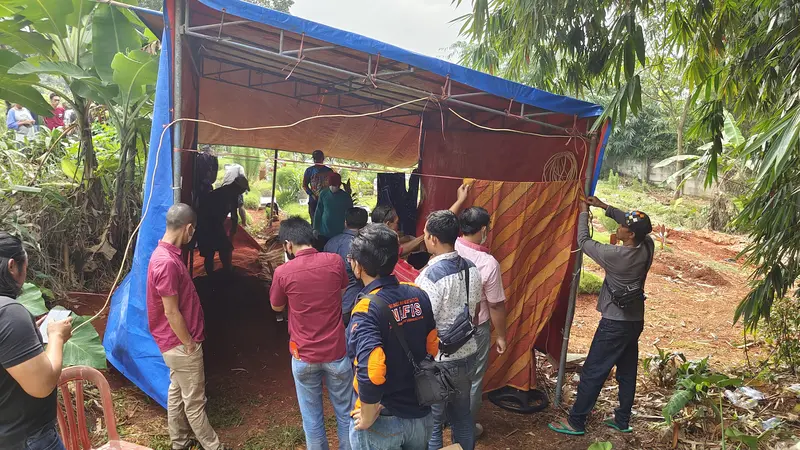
95,50
740,55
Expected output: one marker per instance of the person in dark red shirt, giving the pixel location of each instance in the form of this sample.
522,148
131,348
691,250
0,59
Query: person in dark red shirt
57,119
176,322
311,285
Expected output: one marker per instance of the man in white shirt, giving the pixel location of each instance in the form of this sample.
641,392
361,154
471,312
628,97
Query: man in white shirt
454,286
474,223
232,171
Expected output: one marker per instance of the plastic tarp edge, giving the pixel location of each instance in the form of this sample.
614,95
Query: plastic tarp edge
129,345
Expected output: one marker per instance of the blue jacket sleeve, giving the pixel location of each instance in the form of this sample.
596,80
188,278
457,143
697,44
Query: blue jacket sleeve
370,359
11,120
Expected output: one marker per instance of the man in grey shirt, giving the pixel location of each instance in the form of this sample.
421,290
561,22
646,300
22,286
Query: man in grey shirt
616,341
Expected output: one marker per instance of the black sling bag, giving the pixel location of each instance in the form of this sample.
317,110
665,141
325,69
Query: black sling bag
432,382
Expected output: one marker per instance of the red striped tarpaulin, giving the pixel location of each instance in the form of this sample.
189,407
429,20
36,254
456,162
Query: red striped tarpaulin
532,235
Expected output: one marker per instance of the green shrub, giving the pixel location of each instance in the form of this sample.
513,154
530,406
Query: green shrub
782,333
252,200
262,187
608,223
295,209
613,178
590,283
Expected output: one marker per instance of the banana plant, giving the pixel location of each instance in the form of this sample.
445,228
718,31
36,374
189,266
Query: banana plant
84,347
95,50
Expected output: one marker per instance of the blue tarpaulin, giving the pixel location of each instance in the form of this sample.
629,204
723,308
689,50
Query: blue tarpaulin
128,343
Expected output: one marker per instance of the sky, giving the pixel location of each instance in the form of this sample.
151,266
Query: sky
422,26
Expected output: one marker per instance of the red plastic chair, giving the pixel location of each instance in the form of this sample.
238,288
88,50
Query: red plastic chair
72,416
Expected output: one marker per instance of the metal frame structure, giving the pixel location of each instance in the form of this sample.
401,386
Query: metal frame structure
387,90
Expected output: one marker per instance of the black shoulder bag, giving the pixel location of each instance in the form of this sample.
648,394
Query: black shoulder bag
462,329
630,295
432,382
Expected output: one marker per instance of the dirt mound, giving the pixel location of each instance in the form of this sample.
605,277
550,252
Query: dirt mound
707,275
246,256
674,266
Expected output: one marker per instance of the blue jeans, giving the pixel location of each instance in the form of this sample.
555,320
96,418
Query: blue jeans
45,439
457,410
338,377
616,343
392,433
483,336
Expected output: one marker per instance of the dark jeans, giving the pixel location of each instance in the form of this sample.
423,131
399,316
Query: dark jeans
312,208
456,410
45,439
616,343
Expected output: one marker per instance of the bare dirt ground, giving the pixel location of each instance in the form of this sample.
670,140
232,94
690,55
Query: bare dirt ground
693,289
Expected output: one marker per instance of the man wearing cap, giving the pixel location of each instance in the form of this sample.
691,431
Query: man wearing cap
331,209
616,341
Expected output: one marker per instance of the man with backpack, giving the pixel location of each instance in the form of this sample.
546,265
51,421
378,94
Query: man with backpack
621,304
454,287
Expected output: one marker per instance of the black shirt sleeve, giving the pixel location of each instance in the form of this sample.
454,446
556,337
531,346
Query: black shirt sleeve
19,339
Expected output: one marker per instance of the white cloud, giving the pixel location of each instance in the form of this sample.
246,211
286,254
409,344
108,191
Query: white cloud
422,26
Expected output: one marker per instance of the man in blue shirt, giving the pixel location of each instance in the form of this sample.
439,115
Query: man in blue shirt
386,413
354,220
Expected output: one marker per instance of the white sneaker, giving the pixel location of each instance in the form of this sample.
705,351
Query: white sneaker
478,430
279,317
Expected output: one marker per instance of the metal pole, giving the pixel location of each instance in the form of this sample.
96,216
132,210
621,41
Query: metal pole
274,179
576,279
330,69
176,102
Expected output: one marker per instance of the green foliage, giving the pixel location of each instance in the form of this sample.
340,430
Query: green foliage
601,446
664,366
649,135
687,212
696,383
84,347
733,434
740,56
252,200
31,298
295,209
590,283
782,333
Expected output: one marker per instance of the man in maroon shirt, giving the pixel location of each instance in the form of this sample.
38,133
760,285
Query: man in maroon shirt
57,119
311,285
176,323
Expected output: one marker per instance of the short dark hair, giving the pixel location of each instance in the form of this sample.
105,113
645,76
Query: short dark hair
376,249
297,231
355,218
383,214
11,248
473,219
179,215
444,225
318,156
53,94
